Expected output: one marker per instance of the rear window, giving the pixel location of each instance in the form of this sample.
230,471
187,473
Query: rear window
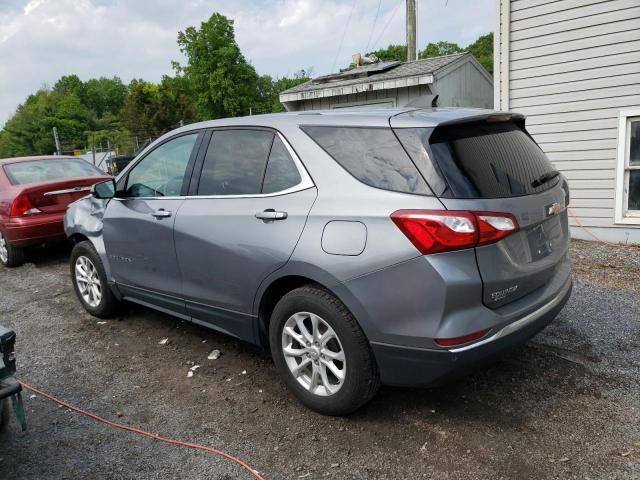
372,155
479,160
35,171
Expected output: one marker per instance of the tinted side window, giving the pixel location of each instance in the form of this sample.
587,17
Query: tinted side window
372,155
161,172
282,172
235,162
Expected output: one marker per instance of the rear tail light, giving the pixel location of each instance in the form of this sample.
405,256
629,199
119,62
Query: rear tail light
22,206
436,231
457,341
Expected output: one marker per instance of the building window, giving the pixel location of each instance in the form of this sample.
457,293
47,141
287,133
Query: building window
628,174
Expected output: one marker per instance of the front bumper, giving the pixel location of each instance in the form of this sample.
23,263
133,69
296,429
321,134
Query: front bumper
35,229
409,366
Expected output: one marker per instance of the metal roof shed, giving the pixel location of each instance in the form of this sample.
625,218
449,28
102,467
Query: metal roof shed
459,80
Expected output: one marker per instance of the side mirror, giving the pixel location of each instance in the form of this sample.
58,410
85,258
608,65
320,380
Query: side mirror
106,189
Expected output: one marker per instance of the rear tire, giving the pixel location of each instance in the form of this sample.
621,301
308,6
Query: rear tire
90,281
340,386
10,256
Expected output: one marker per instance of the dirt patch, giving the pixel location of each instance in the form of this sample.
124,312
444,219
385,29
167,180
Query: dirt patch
606,265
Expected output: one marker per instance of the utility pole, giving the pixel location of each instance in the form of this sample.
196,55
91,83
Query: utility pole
57,139
411,31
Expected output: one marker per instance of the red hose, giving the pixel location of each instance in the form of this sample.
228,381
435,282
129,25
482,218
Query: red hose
153,436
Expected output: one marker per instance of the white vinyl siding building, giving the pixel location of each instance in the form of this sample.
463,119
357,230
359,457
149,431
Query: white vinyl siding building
573,67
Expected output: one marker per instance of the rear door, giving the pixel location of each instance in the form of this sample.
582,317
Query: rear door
138,224
241,222
495,166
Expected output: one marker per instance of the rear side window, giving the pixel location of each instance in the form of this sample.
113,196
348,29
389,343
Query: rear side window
235,162
482,160
282,172
372,155
35,171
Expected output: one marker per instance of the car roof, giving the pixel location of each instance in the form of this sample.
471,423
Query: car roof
4,161
429,117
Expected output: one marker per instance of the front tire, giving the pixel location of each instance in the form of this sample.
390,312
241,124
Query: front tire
90,281
321,352
10,256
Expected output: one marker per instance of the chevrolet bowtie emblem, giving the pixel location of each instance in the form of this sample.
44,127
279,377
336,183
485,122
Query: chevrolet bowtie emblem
553,209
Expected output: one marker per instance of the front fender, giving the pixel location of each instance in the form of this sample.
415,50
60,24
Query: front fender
84,217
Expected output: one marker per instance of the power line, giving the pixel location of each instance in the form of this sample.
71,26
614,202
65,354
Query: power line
353,3
393,14
373,27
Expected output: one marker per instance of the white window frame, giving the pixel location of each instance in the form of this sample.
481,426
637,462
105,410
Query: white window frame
622,214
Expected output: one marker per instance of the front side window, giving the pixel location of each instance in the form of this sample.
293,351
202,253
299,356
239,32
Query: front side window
35,171
161,173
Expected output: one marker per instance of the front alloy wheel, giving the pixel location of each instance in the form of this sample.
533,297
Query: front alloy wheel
313,353
87,281
90,281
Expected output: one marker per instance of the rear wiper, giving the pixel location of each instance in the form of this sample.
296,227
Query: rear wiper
544,178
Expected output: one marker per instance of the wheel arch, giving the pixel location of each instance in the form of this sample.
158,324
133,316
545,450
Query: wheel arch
283,281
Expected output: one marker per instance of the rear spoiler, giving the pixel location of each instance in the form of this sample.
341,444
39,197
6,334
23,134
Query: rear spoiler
495,117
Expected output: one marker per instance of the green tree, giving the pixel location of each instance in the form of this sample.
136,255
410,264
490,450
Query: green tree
151,110
482,49
279,86
391,53
222,83
103,95
439,48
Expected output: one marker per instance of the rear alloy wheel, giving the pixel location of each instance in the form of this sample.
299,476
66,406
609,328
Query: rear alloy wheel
90,281
313,353
10,256
321,352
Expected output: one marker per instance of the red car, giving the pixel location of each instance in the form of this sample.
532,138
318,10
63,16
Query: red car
34,194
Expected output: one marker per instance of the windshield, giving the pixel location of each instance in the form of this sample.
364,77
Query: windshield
36,171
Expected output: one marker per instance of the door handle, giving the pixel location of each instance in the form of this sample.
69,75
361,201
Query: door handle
162,213
271,214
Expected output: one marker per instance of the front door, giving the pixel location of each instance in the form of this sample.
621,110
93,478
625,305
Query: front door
138,225
240,224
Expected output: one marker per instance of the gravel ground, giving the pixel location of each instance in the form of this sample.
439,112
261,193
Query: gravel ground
566,405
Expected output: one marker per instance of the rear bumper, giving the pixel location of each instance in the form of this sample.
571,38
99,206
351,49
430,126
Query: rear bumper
22,232
409,366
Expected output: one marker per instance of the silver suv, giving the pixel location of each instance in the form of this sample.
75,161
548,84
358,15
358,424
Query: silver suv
361,247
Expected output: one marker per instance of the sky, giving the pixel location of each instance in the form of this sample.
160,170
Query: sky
41,40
